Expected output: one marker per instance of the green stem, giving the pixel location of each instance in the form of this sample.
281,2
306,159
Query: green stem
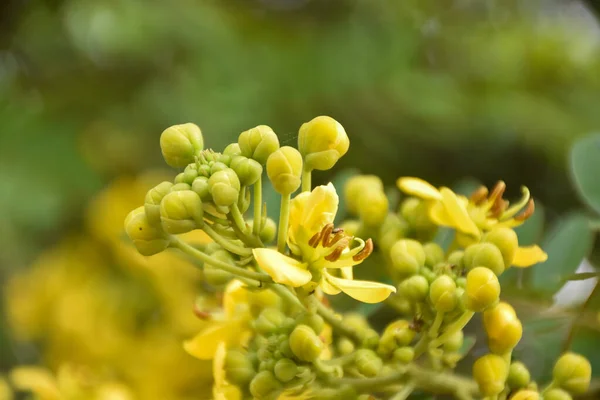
437,323
550,386
342,360
421,346
284,217
405,392
257,222
286,295
335,322
238,218
306,180
244,273
225,243
456,326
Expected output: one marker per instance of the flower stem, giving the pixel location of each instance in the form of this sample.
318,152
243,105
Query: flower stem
456,326
225,243
284,217
306,180
257,222
435,327
406,391
286,295
335,322
238,218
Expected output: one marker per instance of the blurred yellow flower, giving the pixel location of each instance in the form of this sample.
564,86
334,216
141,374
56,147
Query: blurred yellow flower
222,389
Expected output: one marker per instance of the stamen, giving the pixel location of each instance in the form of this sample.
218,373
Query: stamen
498,207
365,252
497,191
479,195
203,315
325,234
527,212
336,237
522,203
314,241
335,254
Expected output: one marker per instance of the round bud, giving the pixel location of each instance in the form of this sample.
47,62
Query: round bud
180,143
367,362
399,332
200,186
370,339
503,328
356,186
442,294
190,173
284,168
357,322
557,394
404,355
345,346
428,274
148,239
518,376
153,199
247,169
409,209
258,143
264,384
461,282
322,141
506,240
232,150
434,254
484,255
415,288
218,166
285,370
269,321
181,212
224,186
178,187
305,343
285,349
456,258
204,170
264,354
373,207
572,372
315,321
483,289
407,257
526,395
268,232
490,372
455,342
238,367
267,365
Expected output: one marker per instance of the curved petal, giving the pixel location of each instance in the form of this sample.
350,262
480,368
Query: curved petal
320,208
205,344
528,256
419,188
327,288
235,295
283,269
365,291
457,211
37,381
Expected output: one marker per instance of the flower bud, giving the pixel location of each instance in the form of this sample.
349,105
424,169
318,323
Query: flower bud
407,257
314,321
456,258
153,199
356,322
455,342
572,372
267,365
258,143
268,232
461,282
434,254
506,240
190,173
526,395
373,207
442,294
232,150
518,376
238,367
147,239
285,370
285,349
345,346
404,354
398,333
204,170
264,354
415,288
247,169
483,289
428,274
214,275
367,362
264,384
305,343
503,328
356,186
484,255
557,394
322,141
224,186
200,186
180,143
490,372
181,212
269,321
370,339
218,166
284,168
178,187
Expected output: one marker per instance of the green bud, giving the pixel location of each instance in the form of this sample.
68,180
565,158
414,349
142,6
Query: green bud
557,394
490,373
264,354
264,384
392,229
370,339
238,367
268,232
407,257
506,240
428,274
267,365
181,212
200,186
224,186
373,207
367,362
218,166
315,321
455,342
181,186
456,258
147,239
434,254
356,186
356,322
285,370
180,143
285,349
409,208
190,173
398,333
232,150
258,143
483,289
461,282
305,343
345,346
442,294
572,372
415,288
247,169
179,178
518,376
153,199
404,354
484,255
284,168
322,141
204,170
269,321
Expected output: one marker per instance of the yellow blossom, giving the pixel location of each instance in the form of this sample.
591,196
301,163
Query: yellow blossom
322,254
472,217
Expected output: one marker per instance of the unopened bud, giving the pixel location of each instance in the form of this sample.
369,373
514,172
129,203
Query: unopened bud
483,289
285,370
415,288
200,186
322,141
503,328
506,240
284,168
572,372
315,321
557,394
442,293
407,257
373,207
247,170
455,342
181,212
214,275
526,395
367,362
190,173
518,376
305,343
258,143
434,254
356,186
180,143
264,384
147,238
238,367
490,373
224,186
268,232
269,321
484,255
404,355
153,199
232,150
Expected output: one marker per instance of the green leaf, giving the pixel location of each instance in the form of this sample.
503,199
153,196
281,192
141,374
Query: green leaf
585,164
567,244
582,276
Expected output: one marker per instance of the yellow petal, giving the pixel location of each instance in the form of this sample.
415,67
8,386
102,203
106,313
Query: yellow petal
365,291
320,208
327,288
419,188
457,211
283,269
223,390
235,295
204,345
36,380
528,256
347,273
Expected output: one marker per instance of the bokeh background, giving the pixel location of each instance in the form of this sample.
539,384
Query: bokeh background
439,89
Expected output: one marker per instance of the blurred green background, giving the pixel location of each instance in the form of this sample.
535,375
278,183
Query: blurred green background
438,89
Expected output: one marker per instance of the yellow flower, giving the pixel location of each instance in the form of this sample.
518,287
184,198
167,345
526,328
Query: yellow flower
321,251
222,389
477,215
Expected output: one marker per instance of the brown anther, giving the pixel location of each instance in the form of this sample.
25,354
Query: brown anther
336,238
497,191
498,207
314,241
335,254
325,234
365,252
479,195
337,230
527,211
203,315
